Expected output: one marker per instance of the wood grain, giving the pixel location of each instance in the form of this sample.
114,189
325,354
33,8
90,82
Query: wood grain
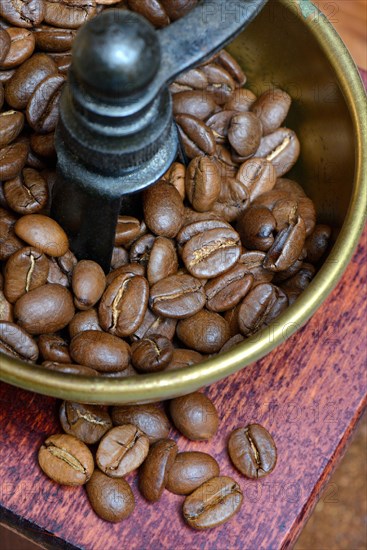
309,393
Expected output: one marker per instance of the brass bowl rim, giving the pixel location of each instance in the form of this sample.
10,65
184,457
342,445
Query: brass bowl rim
165,385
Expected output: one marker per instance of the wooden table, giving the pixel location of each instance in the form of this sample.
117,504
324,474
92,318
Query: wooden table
309,393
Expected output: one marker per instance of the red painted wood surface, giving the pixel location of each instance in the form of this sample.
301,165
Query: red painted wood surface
309,393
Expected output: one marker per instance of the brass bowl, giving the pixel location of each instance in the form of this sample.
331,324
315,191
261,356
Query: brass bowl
295,47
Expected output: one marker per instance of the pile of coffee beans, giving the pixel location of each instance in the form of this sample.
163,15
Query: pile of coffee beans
132,437
225,242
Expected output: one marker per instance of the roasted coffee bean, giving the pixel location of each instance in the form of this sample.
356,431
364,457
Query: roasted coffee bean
300,281
54,348
11,124
84,320
179,8
209,254
151,354
240,101
163,209
195,416
26,78
205,331
177,296
43,233
232,342
317,243
175,175
5,43
148,418
183,358
287,246
213,503
122,450
198,104
153,324
88,423
100,351
233,200
43,145
123,305
252,451
62,61
156,468
25,270
9,242
66,460
194,79
133,269
51,39
256,309
12,159
219,124
306,210
45,309
272,108
163,260
69,14
23,13
232,67
256,227
5,76
16,342
270,198
127,231
244,134
43,106
258,175
120,257
202,183
193,228
140,250
151,10
284,211
111,499
22,44
56,275
291,187
88,283
281,148
27,193
129,371
6,309
220,83
190,470
196,137
227,290
66,368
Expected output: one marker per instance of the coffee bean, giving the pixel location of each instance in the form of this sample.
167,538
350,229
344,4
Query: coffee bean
163,209
88,423
219,124
163,260
84,320
227,290
195,416
25,270
205,331
256,308
175,175
194,79
6,309
291,187
179,8
148,418
209,254
111,499
281,148
43,233
151,354
50,39
287,246
99,350
190,470
151,10
177,296
220,83
300,280
202,183
120,257
233,200
23,13
256,228
156,468
284,211
198,104
127,230
232,342
244,133
317,243
123,304
258,175
140,250
252,451
240,101
27,193
153,324
5,43
183,358
306,210
66,460
66,368
62,61
122,450
88,283
9,243
213,503
11,124
43,145
272,108
26,78
45,309
196,137
233,68
22,44
54,348
12,159
69,14
16,342
193,228
5,76
43,106
132,269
